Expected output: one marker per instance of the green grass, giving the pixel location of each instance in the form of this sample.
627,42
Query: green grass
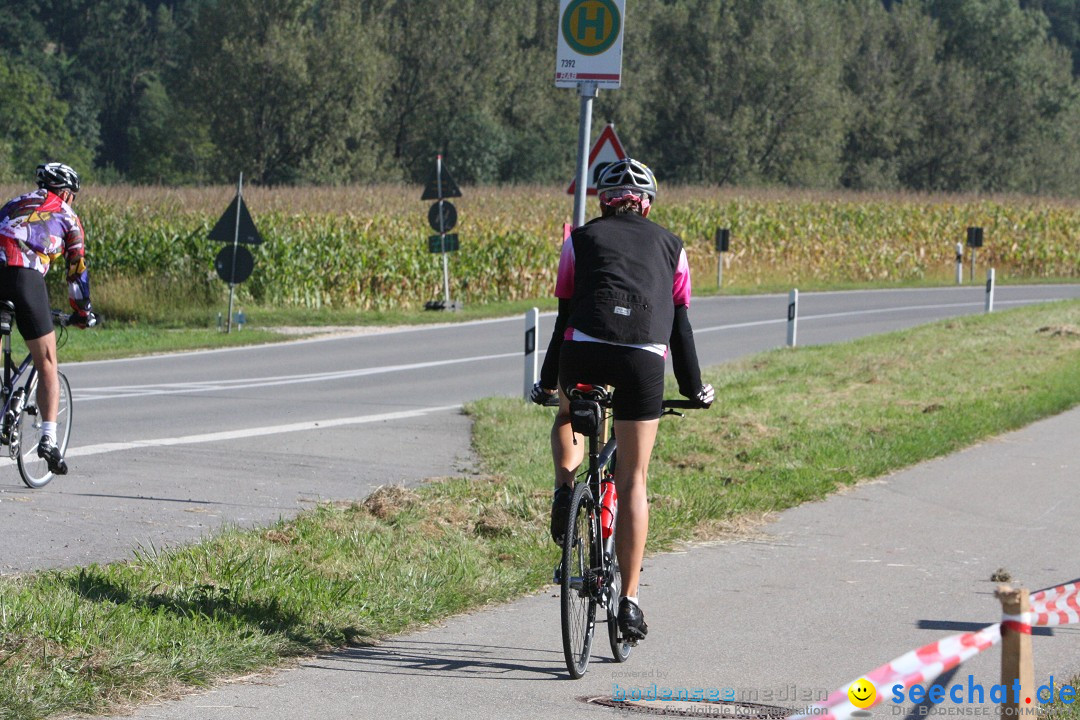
789,426
1059,710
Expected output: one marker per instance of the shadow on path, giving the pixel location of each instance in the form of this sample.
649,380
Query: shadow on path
457,660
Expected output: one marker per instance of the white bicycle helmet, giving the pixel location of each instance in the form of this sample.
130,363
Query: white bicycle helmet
57,176
627,174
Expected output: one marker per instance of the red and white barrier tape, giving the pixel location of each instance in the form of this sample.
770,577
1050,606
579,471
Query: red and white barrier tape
918,666
1054,593
1017,623
1056,606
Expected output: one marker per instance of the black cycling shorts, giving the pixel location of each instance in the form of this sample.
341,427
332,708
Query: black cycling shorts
637,376
26,288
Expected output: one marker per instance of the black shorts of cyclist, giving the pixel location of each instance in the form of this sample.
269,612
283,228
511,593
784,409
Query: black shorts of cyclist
26,288
637,376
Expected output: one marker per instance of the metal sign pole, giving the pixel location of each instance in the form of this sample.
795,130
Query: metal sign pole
446,275
236,243
588,92
442,235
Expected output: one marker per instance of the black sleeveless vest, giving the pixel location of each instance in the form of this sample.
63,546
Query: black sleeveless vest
624,269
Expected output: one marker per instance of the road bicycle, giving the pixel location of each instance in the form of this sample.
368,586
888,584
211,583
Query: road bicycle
20,423
588,573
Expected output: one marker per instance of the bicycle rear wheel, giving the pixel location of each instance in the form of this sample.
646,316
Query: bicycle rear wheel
620,649
578,598
33,469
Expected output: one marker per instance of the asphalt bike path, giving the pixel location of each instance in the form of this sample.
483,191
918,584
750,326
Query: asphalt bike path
815,598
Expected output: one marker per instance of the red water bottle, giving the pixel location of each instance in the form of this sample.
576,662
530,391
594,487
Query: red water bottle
609,501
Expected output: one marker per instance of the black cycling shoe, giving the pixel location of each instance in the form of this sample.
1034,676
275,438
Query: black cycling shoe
631,622
47,449
560,512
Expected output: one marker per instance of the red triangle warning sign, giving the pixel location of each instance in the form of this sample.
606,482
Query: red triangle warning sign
605,151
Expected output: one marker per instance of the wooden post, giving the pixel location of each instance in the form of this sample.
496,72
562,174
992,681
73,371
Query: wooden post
1016,659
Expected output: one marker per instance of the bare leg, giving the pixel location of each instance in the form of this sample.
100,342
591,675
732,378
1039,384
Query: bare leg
43,350
636,439
564,452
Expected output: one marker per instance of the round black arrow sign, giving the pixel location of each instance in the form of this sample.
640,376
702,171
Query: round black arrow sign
449,216
245,263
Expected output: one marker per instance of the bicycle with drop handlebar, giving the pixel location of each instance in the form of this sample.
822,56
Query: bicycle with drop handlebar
20,417
588,573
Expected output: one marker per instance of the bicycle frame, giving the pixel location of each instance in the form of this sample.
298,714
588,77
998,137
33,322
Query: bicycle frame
589,572
602,550
598,460
598,583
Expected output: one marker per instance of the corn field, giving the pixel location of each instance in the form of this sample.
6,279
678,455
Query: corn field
366,247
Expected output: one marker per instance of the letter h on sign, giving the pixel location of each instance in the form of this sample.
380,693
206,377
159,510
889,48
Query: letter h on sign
597,23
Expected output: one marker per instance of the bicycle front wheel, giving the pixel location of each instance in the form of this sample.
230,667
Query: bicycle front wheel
35,470
578,583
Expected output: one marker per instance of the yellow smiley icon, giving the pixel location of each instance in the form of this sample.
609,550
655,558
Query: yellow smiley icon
862,693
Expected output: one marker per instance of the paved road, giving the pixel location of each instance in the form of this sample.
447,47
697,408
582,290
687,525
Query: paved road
167,448
824,594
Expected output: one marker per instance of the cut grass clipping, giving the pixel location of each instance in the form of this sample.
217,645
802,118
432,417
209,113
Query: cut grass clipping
788,426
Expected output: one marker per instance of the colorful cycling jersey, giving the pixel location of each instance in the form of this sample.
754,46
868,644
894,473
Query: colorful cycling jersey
38,227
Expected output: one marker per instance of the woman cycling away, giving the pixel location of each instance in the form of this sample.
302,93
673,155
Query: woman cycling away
35,229
624,291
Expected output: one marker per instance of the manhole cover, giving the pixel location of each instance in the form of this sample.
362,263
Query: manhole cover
689,708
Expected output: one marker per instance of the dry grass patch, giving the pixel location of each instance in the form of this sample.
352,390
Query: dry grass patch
389,500
740,528
1059,330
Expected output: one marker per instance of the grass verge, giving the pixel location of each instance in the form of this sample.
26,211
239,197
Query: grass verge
789,426
1058,709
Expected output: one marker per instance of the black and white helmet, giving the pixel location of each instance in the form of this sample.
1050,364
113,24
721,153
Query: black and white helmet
57,176
627,174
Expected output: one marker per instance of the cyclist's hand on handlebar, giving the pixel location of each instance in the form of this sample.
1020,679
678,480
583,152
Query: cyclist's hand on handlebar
540,395
83,319
705,395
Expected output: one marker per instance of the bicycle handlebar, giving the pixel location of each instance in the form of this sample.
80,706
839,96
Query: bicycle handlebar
672,404
63,318
682,404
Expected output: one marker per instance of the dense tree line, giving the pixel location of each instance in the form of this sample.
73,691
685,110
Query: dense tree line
870,94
